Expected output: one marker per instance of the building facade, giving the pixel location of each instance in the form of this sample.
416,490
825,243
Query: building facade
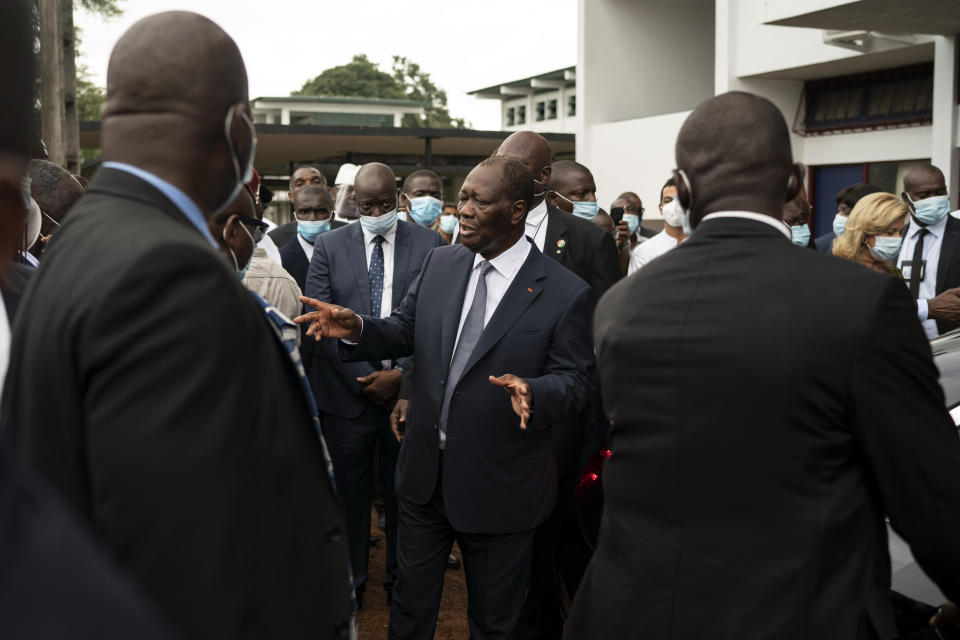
869,87
542,103
333,111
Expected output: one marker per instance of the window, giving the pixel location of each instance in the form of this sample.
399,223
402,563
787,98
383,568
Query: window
522,114
552,110
572,105
541,111
511,116
352,119
878,100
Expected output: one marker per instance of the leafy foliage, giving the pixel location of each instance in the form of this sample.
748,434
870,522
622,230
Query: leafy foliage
362,78
90,97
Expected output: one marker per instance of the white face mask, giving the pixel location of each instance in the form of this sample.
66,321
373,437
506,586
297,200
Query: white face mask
673,213
247,174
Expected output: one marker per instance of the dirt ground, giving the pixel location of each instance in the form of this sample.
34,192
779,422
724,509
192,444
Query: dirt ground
375,616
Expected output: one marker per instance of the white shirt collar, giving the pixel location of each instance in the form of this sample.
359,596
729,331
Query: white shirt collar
936,230
389,236
306,246
779,225
510,261
535,215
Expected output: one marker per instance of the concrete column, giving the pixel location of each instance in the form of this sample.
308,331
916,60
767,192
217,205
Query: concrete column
943,145
284,116
397,118
943,142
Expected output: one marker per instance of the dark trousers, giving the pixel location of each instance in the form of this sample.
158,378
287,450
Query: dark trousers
496,567
542,616
352,443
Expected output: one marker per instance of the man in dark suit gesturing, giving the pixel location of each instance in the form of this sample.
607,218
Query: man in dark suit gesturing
755,457
187,443
367,266
501,336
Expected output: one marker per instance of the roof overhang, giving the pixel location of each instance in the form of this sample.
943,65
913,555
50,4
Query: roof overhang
550,81
452,151
885,16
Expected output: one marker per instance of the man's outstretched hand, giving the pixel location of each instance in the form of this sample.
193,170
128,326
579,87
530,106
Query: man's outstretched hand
521,396
330,321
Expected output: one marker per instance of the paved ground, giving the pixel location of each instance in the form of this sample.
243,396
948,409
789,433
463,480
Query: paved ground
374,617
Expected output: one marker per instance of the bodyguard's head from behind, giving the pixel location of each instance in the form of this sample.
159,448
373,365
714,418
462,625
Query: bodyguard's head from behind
177,107
733,154
493,204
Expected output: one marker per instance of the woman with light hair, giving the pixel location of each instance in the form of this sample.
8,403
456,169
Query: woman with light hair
872,234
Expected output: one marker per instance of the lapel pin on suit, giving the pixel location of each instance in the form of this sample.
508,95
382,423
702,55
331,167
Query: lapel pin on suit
561,243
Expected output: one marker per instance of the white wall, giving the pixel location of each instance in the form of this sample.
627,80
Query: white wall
633,155
887,145
643,58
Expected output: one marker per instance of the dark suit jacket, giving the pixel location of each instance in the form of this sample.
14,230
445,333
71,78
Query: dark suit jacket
755,456
824,243
184,441
284,233
338,274
12,286
295,261
948,264
56,582
496,478
584,248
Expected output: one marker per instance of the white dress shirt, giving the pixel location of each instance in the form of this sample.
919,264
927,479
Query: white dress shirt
653,248
931,253
505,268
770,221
388,245
536,224
308,250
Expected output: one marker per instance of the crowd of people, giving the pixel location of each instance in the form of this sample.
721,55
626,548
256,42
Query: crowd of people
202,409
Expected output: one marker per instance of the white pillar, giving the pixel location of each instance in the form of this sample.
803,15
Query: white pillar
943,142
270,117
397,118
284,116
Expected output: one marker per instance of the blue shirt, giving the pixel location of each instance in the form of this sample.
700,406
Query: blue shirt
183,202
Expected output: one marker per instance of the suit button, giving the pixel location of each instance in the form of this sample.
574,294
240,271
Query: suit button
334,534
436,428
342,629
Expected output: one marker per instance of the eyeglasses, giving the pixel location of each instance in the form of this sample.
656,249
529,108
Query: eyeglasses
49,217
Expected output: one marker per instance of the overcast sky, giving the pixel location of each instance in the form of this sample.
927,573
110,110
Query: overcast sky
463,45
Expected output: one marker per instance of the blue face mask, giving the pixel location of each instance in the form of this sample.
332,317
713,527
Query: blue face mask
310,229
586,210
632,220
425,210
448,223
930,210
379,225
887,248
801,234
839,224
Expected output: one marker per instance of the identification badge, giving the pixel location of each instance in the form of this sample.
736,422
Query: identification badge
907,270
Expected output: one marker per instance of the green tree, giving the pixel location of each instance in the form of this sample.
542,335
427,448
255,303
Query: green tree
362,78
418,86
359,78
90,97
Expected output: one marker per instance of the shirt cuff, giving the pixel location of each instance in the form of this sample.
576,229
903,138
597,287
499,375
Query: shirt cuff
353,344
922,310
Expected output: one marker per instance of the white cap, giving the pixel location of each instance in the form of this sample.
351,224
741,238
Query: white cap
346,174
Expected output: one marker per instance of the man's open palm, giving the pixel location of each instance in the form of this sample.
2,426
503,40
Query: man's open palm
329,320
521,396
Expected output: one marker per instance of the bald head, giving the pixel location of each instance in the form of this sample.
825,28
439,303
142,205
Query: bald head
375,187
735,150
921,175
178,63
567,173
530,148
177,106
